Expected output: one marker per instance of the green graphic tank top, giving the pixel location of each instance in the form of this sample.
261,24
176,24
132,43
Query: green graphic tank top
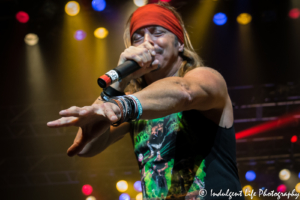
185,156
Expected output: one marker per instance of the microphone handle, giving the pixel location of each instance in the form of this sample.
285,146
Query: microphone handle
117,74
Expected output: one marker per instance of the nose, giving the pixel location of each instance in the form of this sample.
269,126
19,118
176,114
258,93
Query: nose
148,37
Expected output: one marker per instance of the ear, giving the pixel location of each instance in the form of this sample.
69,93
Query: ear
181,47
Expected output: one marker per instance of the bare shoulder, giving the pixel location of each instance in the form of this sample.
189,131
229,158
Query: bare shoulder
205,71
224,115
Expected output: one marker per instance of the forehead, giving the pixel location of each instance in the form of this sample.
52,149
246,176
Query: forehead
150,27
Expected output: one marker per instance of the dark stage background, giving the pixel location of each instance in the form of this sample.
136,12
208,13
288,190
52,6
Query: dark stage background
260,62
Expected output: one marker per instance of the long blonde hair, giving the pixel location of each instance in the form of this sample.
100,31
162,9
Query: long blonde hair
191,59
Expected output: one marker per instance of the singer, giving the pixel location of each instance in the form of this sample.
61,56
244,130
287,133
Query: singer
177,111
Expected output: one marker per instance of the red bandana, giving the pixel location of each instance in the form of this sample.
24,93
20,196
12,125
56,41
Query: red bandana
153,14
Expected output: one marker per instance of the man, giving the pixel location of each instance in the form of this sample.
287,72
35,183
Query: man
187,102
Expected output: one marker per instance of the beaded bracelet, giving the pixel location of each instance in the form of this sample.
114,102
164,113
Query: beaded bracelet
130,107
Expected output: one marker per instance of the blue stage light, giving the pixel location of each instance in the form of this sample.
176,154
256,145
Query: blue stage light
124,196
220,18
98,5
137,186
299,175
250,175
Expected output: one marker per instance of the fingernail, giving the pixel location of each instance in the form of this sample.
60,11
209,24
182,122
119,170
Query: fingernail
153,52
50,123
113,118
63,112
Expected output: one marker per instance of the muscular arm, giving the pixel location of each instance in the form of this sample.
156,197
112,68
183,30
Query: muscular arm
201,89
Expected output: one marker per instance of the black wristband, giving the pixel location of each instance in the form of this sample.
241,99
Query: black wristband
112,92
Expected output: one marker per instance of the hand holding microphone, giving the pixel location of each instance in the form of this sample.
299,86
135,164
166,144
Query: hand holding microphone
134,62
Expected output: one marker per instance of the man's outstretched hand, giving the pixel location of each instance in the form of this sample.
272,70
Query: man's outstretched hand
93,121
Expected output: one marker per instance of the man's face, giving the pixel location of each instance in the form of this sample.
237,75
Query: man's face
165,43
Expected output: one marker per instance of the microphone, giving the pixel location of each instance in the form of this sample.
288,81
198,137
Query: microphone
118,73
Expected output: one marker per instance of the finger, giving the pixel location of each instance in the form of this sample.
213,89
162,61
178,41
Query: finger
72,111
155,62
112,112
79,142
63,122
86,110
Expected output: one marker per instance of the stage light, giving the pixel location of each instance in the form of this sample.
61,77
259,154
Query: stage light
31,39
101,33
124,196
244,18
299,175
22,17
79,35
122,186
281,188
87,189
140,3
91,198
220,18
72,8
297,187
165,0
294,139
137,186
250,175
139,196
294,13
98,5
284,174
247,189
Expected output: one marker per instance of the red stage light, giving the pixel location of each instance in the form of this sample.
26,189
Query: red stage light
87,189
22,17
294,13
280,122
294,139
281,188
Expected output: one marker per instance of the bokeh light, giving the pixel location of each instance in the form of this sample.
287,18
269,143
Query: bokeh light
299,175
101,33
284,174
140,3
281,188
220,19
294,13
79,35
98,5
247,189
122,186
294,139
91,198
22,17
124,196
139,196
72,8
250,175
137,186
87,189
244,18
31,39
297,187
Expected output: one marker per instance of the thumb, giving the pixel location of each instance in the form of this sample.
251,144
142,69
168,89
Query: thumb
77,145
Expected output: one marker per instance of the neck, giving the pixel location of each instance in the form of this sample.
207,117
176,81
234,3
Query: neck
160,74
